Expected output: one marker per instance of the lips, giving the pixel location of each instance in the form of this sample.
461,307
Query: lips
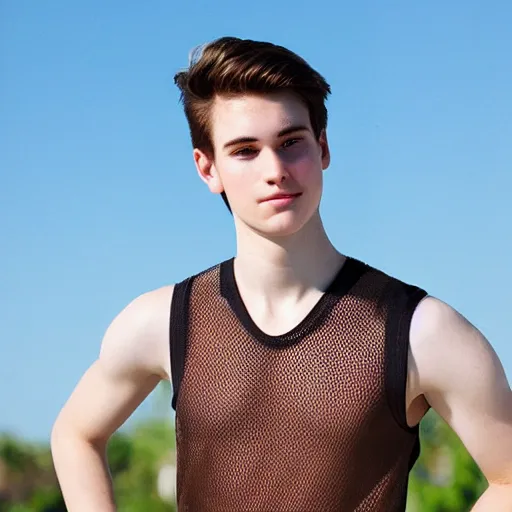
281,195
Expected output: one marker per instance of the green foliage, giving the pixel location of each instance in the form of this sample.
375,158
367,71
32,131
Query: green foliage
120,453
136,471
16,455
47,499
445,478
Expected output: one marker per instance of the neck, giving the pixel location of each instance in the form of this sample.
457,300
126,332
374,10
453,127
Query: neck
286,266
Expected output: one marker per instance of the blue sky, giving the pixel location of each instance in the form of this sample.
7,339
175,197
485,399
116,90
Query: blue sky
99,200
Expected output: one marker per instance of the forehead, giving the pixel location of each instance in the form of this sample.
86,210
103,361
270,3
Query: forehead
256,115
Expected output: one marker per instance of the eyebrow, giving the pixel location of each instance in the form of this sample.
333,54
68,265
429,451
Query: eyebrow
282,133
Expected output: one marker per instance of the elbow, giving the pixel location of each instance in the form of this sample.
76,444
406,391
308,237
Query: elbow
55,433
61,430
498,496
60,436
66,436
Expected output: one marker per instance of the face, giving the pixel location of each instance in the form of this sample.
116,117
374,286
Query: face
267,161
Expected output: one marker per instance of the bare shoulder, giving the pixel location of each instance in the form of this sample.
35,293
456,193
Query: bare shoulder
137,340
446,346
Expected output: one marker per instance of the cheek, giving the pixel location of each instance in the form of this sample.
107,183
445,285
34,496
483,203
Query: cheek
236,176
307,169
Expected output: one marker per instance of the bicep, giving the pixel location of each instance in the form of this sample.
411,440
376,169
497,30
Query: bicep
464,381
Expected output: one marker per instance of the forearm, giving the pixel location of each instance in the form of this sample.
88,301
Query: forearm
82,472
497,498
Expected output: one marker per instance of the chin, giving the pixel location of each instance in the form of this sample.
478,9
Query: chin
282,225
277,224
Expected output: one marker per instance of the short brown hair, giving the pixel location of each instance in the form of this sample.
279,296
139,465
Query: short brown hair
230,66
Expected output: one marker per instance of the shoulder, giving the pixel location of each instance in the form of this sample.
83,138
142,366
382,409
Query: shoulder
137,340
438,328
448,350
433,317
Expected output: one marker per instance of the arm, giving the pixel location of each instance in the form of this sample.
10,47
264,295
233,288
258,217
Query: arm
462,379
133,359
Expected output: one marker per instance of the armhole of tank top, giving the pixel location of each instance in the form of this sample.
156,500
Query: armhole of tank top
178,332
403,303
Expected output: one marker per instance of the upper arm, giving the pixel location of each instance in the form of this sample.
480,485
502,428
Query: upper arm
462,378
134,357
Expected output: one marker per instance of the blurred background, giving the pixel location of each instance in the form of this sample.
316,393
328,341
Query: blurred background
99,200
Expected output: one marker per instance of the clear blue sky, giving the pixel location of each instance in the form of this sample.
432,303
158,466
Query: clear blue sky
99,200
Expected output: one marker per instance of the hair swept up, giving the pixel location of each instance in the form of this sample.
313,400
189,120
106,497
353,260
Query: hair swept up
231,66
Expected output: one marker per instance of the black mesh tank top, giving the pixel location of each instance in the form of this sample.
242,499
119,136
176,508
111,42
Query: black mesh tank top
313,420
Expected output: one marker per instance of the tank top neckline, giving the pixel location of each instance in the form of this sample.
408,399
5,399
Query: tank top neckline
343,281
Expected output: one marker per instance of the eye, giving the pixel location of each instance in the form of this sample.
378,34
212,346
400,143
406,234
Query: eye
290,142
244,152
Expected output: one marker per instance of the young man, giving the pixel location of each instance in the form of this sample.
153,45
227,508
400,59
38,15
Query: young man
300,375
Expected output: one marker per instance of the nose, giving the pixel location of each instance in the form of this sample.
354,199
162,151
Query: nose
274,168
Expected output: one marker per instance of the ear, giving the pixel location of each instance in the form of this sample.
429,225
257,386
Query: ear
207,171
324,147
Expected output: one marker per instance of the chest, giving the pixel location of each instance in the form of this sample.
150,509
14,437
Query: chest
330,382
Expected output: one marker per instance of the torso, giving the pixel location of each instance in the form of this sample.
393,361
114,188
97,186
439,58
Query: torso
221,396
416,405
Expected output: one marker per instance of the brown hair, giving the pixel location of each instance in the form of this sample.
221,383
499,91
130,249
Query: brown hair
229,66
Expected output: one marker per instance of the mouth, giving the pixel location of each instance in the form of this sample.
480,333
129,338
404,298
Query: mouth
281,198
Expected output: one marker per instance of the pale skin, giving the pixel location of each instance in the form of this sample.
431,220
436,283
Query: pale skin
284,261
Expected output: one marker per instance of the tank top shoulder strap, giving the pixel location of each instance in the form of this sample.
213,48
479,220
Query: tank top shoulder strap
402,300
178,328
